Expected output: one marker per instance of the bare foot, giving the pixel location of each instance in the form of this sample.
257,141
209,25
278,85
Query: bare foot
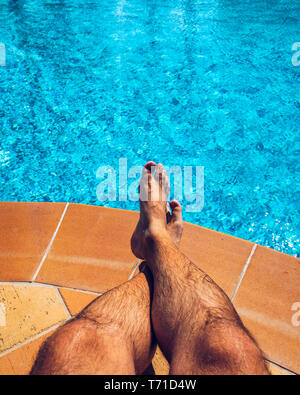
155,216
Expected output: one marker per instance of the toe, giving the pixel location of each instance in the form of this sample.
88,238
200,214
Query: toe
149,165
159,171
176,210
169,215
165,183
144,187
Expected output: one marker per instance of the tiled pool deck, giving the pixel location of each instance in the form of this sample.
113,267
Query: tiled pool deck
55,258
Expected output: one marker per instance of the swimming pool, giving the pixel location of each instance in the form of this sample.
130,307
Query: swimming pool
208,83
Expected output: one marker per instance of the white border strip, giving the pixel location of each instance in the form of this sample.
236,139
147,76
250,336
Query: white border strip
284,371
51,242
243,273
61,299
32,338
134,269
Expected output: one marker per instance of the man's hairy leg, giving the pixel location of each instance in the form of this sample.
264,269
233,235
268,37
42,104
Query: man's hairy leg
195,323
112,335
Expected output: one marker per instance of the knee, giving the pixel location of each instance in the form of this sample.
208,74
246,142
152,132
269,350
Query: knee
72,335
56,352
229,347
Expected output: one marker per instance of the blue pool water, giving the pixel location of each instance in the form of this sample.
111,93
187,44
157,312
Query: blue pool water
208,83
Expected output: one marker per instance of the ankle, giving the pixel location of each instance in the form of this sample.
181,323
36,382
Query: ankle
156,231
154,237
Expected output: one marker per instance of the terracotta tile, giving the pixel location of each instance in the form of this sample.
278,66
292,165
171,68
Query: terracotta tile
5,367
75,300
20,361
269,290
221,256
29,311
92,249
25,232
160,364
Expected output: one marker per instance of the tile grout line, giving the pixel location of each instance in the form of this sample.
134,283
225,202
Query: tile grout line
51,242
241,278
60,297
43,285
134,269
31,339
84,291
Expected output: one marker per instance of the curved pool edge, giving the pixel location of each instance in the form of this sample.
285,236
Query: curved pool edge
64,255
